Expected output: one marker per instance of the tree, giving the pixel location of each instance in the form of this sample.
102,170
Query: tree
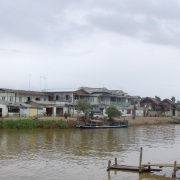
158,98
173,99
83,105
112,111
134,101
178,108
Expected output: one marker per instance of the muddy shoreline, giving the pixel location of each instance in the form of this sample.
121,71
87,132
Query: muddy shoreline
70,121
153,120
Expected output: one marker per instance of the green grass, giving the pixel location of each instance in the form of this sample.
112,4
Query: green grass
31,124
18,124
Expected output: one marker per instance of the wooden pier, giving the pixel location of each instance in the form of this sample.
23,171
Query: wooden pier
144,167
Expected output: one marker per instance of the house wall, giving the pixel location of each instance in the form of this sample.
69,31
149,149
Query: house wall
128,112
150,104
63,96
93,100
166,106
65,109
103,100
14,97
4,110
24,112
120,101
33,112
168,113
40,111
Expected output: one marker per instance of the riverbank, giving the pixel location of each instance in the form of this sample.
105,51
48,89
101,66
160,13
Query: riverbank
70,122
153,120
32,124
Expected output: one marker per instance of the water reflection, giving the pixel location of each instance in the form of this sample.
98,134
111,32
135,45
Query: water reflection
84,154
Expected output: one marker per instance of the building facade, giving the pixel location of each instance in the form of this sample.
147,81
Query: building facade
18,96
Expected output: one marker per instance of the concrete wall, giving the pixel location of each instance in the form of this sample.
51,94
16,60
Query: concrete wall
13,97
4,110
33,112
128,113
24,112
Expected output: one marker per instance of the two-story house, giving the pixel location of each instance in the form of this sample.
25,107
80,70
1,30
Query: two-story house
12,102
16,96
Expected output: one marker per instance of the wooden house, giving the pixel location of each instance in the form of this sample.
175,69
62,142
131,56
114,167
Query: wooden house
168,107
150,103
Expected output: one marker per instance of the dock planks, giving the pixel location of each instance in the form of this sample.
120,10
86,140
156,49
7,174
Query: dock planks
160,165
131,168
144,167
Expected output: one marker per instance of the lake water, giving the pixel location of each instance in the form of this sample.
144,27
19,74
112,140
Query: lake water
80,154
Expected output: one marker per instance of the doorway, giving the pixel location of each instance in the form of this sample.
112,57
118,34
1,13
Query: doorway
49,111
173,112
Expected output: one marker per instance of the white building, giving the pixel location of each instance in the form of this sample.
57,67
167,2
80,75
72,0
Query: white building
18,96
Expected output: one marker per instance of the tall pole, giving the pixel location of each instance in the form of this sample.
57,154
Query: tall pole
40,83
29,81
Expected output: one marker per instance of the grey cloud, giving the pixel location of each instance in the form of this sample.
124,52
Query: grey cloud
29,21
47,22
150,22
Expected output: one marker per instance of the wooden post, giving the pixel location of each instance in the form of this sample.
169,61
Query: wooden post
115,162
149,167
109,165
175,169
140,160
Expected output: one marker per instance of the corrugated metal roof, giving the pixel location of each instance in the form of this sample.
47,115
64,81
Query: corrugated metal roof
65,90
43,102
94,90
168,100
49,103
24,92
152,99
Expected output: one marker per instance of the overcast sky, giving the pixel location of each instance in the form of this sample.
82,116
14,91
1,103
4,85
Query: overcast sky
129,45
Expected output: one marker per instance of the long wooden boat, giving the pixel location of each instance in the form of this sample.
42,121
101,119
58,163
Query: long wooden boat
100,127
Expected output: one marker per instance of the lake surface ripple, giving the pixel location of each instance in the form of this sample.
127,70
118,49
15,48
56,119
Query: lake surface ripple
80,154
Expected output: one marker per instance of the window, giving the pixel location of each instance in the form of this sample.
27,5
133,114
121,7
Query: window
20,99
57,97
67,97
28,98
91,99
11,98
37,99
44,99
3,98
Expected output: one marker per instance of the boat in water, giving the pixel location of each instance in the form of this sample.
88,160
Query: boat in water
100,127
97,125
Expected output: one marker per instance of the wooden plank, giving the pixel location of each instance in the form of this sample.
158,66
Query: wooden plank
140,160
109,165
160,165
131,168
115,161
175,169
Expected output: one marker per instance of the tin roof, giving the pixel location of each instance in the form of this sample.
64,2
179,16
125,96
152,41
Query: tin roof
168,100
94,90
152,99
24,91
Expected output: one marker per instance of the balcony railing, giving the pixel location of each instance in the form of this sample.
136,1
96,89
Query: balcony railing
104,102
121,103
107,103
